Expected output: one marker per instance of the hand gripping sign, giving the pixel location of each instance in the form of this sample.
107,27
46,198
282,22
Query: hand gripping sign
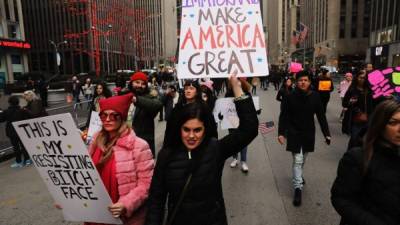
385,82
218,37
63,162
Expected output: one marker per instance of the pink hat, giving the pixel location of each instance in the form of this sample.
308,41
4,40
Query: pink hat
208,84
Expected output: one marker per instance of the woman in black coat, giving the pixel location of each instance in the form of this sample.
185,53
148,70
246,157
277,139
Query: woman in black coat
195,159
285,90
359,103
367,187
12,114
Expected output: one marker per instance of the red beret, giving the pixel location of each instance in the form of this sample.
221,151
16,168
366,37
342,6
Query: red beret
139,76
119,104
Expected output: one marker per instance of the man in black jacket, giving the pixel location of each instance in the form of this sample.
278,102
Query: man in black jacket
146,105
296,123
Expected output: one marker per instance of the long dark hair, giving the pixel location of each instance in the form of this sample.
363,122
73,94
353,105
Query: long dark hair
195,84
354,83
106,91
196,110
377,124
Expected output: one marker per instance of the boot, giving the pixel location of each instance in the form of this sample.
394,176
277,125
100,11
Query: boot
297,197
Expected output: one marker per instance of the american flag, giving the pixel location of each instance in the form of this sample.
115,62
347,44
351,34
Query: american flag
303,32
266,127
300,34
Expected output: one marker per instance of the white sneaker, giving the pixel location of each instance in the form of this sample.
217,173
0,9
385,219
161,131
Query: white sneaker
245,168
234,163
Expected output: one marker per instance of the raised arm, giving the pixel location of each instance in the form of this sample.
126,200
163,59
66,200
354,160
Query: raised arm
151,104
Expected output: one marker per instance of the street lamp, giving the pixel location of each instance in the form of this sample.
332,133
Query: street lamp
57,54
108,44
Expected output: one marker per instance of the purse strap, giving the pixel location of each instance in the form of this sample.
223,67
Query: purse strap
180,200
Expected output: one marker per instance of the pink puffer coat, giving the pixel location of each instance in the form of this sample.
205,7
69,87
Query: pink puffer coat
134,165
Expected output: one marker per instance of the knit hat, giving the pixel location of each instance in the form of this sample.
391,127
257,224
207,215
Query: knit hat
208,84
139,76
119,104
348,74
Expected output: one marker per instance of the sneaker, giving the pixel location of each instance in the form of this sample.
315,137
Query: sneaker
234,163
297,197
28,162
17,165
245,168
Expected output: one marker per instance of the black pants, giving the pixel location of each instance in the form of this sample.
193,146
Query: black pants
19,150
44,97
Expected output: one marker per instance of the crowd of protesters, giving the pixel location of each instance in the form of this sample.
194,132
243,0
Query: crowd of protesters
185,182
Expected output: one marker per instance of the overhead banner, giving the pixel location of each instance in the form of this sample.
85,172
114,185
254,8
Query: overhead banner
62,160
225,112
220,36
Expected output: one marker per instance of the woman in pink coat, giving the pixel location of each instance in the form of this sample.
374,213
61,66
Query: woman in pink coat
123,160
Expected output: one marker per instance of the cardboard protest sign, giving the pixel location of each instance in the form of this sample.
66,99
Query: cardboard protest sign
295,67
218,37
95,125
225,112
62,160
385,82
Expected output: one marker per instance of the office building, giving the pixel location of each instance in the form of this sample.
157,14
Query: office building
13,46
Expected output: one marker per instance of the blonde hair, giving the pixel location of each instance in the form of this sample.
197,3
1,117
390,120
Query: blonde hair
30,96
104,142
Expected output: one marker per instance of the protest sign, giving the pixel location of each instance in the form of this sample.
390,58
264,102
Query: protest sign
218,37
225,112
62,160
95,125
295,67
385,82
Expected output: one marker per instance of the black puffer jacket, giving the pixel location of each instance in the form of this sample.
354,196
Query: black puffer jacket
373,198
203,203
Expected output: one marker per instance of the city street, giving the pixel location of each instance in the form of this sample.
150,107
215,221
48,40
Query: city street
261,197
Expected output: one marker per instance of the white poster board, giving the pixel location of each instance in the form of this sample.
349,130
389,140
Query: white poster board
95,126
225,112
62,160
218,37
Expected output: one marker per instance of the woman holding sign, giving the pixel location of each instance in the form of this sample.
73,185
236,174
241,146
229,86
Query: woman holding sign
188,172
124,161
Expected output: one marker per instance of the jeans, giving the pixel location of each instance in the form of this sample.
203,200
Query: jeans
243,155
299,159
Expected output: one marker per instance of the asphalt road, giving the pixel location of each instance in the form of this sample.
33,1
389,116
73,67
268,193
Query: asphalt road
262,197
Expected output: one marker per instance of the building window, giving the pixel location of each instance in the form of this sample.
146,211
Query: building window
354,16
342,25
7,9
366,21
13,31
16,59
16,14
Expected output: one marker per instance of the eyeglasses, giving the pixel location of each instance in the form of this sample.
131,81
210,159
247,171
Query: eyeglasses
111,116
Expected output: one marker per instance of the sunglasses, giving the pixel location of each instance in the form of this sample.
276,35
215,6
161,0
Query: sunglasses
111,116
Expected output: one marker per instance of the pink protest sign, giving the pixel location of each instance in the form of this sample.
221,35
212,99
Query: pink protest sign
295,67
385,82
